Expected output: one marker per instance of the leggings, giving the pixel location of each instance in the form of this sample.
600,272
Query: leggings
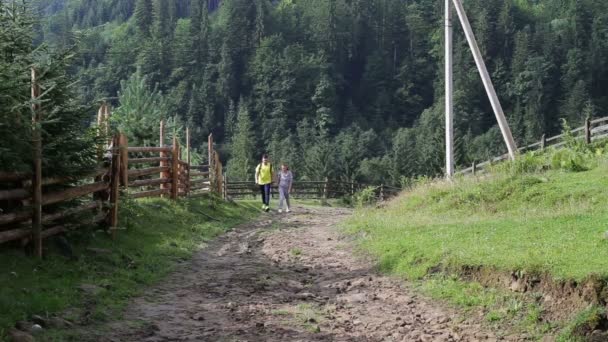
265,189
284,196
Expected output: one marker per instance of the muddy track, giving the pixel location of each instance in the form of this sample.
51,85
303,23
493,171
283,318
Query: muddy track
286,278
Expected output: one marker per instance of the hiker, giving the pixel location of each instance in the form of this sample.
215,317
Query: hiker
285,183
264,174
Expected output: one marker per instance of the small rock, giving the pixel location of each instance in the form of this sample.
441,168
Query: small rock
427,338
354,298
19,336
23,325
295,285
305,295
36,329
518,286
198,317
480,335
59,323
443,320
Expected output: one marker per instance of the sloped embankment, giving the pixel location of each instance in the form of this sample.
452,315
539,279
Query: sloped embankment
536,234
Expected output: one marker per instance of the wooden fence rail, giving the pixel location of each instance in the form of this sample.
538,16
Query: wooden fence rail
326,189
136,172
593,130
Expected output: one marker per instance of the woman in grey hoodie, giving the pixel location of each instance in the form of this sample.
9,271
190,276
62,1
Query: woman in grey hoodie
285,183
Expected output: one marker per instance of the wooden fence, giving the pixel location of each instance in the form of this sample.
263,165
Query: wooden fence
31,210
326,189
592,130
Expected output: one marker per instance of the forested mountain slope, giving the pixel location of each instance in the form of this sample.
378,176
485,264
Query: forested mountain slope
339,88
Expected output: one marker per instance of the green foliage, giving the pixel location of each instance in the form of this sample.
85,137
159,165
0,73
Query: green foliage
140,111
527,217
537,222
241,165
330,65
585,322
365,197
69,146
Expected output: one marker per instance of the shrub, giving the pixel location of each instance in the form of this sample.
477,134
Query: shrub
366,196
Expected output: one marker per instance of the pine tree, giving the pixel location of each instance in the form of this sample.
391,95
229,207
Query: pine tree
143,17
140,111
241,165
68,146
199,33
230,121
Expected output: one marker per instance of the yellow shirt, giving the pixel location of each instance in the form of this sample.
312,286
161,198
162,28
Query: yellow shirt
264,173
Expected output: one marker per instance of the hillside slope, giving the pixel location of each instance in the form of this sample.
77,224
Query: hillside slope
536,226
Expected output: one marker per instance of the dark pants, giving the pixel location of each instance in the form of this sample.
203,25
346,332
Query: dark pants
265,189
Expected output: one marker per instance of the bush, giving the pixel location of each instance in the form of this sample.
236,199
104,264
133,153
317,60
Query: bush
366,197
570,160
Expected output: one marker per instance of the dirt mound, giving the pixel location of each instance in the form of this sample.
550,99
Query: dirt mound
560,300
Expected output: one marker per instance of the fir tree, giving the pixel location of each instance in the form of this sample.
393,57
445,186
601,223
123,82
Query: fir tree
241,165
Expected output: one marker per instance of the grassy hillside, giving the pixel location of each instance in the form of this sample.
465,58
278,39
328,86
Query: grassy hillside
159,234
544,214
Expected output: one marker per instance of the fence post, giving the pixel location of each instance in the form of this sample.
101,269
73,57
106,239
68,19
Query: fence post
381,192
474,168
175,169
225,189
114,185
211,159
124,160
188,161
326,189
37,177
588,131
543,142
218,173
163,174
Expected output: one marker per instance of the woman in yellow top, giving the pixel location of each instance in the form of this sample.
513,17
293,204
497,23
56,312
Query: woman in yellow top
264,174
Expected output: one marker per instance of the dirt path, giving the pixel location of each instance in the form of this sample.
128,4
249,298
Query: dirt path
286,278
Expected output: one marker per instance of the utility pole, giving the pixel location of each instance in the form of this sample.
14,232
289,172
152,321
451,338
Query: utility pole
487,82
449,92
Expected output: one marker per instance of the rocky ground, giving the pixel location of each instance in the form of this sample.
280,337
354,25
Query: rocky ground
287,278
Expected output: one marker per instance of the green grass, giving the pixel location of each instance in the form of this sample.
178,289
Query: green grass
498,306
158,234
585,322
543,214
533,222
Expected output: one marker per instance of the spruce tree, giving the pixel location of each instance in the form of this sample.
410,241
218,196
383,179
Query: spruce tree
143,17
241,165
